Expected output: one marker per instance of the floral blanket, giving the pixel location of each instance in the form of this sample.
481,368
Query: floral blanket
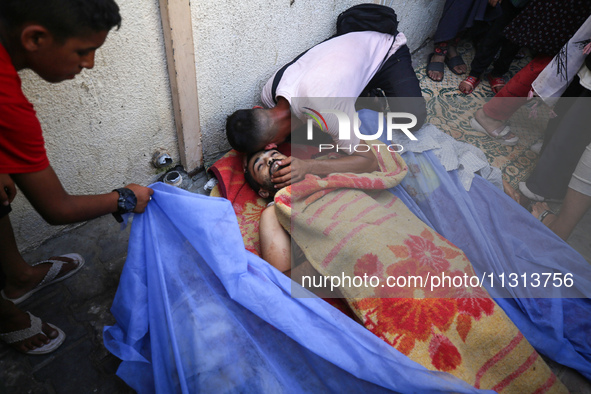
349,226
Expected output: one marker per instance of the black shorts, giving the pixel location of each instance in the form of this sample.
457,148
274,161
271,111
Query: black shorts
4,210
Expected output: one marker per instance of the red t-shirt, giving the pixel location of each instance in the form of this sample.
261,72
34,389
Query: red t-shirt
22,148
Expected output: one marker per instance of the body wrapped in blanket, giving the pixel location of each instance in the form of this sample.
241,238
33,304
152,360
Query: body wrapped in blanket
164,323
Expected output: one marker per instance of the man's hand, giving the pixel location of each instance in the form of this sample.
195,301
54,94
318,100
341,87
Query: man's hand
142,194
7,189
358,163
493,3
45,192
295,171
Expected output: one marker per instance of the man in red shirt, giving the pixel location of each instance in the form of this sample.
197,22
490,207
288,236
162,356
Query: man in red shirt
56,39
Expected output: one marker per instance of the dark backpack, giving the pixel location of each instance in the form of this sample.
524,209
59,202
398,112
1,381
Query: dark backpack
364,17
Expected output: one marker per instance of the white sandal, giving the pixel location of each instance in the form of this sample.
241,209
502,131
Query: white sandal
51,276
35,328
498,134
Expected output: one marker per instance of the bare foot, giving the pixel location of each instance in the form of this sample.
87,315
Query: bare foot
452,51
538,209
14,320
436,75
17,287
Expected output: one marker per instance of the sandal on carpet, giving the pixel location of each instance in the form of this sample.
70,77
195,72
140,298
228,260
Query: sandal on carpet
529,194
533,196
499,134
34,329
435,66
472,81
496,83
51,276
454,62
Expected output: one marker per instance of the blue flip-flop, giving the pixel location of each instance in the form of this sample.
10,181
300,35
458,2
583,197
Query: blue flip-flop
435,66
454,62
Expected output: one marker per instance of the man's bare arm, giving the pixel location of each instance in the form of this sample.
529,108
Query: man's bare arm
358,162
45,192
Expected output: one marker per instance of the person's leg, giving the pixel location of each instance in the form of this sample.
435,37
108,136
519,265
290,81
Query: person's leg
399,82
454,60
493,115
514,94
559,159
502,64
509,51
435,65
445,52
20,277
496,40
576,203
487,48
562,107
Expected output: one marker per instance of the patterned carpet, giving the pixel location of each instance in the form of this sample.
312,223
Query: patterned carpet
450,111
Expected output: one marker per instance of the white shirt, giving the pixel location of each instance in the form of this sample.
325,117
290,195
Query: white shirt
338,68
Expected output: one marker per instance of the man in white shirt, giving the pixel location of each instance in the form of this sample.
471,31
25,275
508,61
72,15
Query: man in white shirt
346,66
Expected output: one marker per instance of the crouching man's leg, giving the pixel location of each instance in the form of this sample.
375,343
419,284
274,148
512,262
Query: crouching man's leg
399,82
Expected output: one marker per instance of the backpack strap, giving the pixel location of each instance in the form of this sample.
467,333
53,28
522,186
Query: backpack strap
279,74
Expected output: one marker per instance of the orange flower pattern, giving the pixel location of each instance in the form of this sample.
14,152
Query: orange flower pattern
401,320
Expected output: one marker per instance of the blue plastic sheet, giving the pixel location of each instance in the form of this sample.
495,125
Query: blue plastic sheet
500,237
196,312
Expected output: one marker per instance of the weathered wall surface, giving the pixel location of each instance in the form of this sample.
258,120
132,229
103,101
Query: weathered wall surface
239,45
102,128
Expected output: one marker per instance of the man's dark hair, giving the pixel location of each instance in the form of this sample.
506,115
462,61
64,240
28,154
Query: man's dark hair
63,18
248,176
243,131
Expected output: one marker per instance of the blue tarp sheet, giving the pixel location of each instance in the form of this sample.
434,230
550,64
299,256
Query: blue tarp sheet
196,312
499,236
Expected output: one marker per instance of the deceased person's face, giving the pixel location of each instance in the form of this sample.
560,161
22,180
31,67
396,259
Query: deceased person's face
262,165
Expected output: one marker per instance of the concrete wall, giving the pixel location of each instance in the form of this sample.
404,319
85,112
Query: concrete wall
240,44
102,128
